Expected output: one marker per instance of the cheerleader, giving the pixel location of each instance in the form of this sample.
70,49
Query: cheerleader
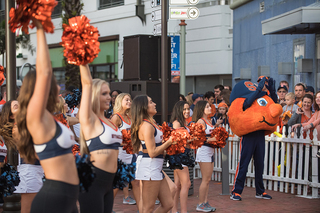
146,138
41,134
121,118
30,174
204,155
181,112
102,139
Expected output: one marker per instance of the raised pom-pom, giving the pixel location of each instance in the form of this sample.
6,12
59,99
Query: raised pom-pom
80,41
126,141
198,135
9,179
28,9
221,136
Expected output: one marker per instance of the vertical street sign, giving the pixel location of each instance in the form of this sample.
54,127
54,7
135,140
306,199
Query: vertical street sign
175,56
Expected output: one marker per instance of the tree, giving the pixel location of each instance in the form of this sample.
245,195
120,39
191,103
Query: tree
22,40
71,9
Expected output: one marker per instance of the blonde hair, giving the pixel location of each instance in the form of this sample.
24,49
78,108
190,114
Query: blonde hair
95,101
189,100
291,95
60,106
118,103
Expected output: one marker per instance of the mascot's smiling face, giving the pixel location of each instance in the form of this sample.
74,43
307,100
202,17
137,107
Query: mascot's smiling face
263,114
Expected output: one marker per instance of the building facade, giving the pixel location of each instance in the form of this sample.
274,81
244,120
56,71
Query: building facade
280,39
208,40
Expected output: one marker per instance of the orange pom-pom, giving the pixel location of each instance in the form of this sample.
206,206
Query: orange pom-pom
198,134
2,78
180,136
60,117
221,136
80,41
27,9
75,149
126,141
166,130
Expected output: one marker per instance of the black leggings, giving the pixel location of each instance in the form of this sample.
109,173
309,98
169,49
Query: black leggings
99,198
56,196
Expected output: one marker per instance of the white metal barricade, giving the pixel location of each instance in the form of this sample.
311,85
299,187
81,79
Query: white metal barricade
290,165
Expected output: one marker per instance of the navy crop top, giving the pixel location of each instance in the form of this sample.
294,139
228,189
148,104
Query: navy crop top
60,144
110,138
158,135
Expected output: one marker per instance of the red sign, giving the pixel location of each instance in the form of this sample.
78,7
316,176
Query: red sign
175,72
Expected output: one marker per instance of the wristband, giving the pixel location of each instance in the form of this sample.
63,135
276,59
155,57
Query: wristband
311,125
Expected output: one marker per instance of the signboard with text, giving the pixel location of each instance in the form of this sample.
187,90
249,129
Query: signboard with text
175,56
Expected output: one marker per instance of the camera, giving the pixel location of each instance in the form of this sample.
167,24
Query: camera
219,115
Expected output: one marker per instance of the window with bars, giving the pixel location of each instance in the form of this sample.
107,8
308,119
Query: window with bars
57,10
104,71
110,3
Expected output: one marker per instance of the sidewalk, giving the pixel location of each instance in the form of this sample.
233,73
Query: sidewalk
281,202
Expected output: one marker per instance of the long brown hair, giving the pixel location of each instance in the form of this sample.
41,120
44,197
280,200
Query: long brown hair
25,145
139,111
177,113
95,101
6,125
198,110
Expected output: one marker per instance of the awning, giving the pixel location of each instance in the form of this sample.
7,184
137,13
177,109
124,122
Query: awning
303,20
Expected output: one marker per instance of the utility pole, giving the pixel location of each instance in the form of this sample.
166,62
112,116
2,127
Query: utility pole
11,203
164,61
183,57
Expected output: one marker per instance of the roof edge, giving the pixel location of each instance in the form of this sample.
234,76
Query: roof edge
238,3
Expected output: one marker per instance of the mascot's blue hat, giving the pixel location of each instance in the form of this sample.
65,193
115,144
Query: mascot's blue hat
244,89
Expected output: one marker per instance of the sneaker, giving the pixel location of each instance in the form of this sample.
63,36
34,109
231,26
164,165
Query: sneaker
203,208
235,196
208,205
157,202
129,200
318,153
263,196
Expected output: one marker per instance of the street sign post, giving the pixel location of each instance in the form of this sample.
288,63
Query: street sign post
183,13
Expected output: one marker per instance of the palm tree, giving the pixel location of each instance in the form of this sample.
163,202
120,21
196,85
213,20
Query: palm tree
71,9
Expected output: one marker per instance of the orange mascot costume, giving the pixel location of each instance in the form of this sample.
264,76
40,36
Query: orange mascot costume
252,115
